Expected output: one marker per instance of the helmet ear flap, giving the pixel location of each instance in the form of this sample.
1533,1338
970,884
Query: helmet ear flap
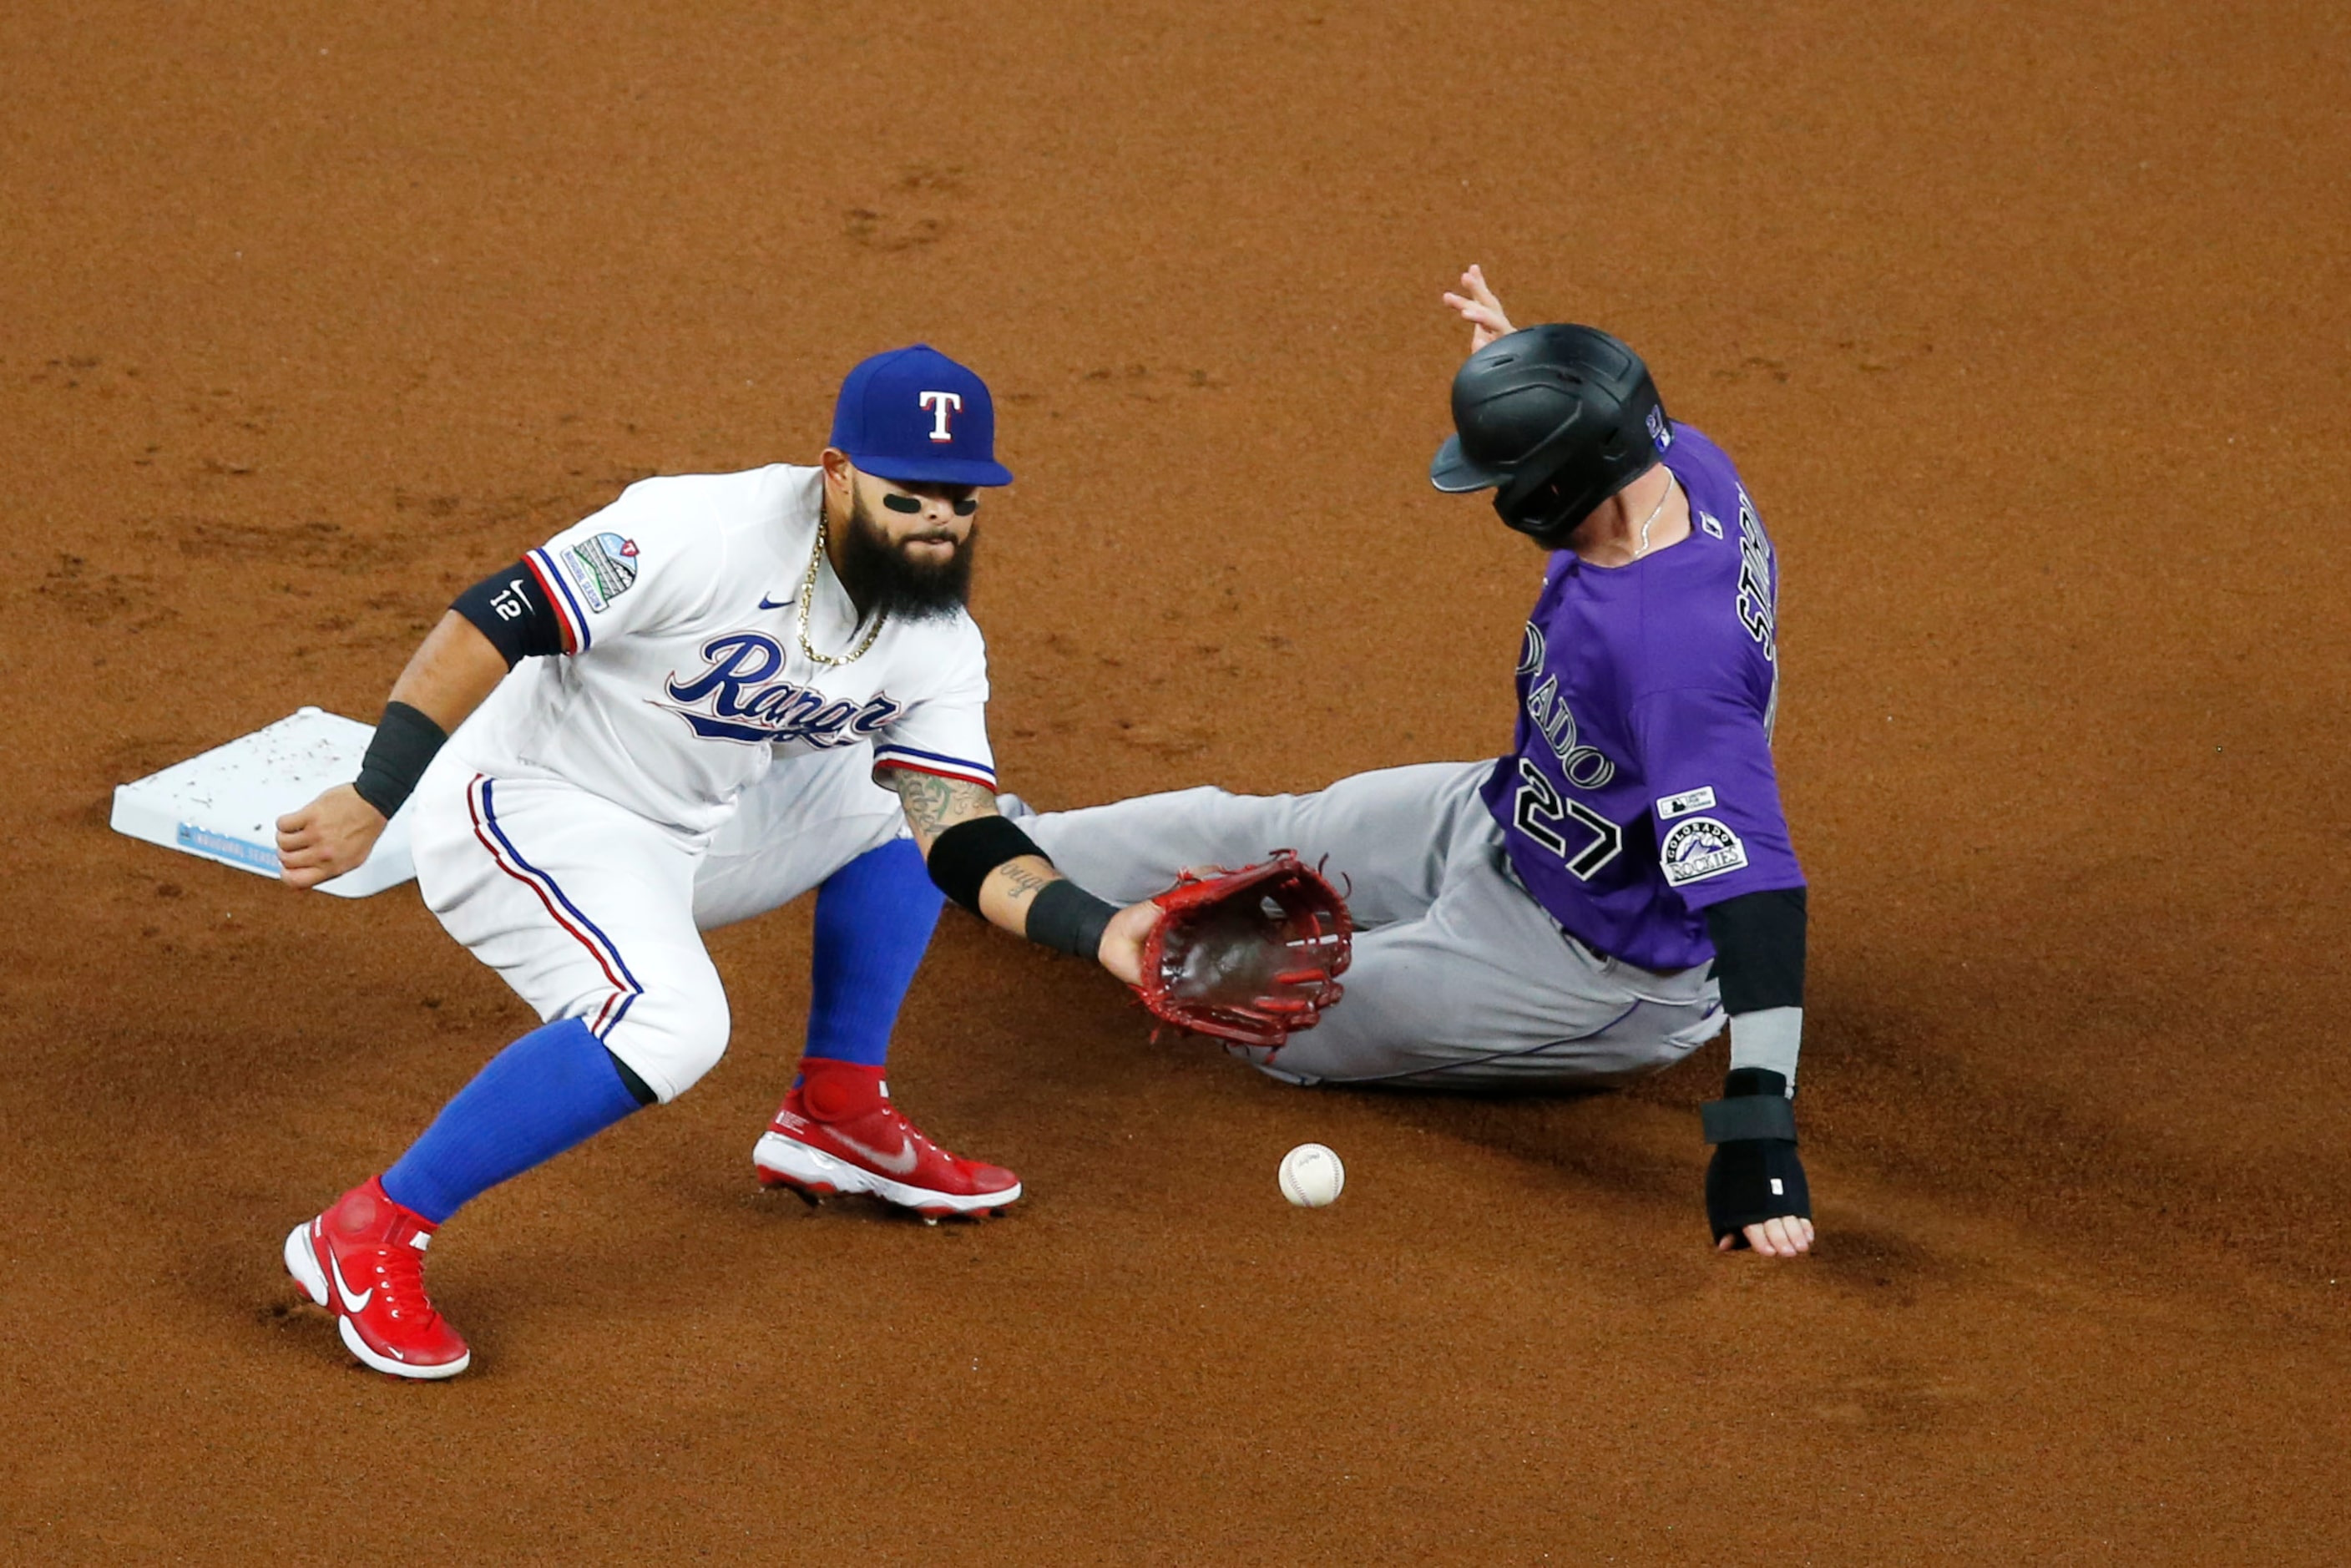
1537,510
1551,487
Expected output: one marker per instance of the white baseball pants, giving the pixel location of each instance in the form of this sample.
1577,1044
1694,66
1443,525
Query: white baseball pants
589,911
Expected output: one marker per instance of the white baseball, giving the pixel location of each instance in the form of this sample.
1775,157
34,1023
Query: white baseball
1312,1176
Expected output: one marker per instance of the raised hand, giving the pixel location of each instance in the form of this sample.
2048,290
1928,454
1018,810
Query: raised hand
1480,306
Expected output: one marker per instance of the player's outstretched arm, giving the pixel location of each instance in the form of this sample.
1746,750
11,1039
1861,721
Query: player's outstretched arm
984,862
1756,1194
494,625
448,677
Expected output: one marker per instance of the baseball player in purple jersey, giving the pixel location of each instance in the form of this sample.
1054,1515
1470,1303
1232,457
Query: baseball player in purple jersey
1591,905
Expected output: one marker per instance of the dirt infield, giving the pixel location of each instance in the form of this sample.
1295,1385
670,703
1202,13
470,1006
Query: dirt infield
2029,327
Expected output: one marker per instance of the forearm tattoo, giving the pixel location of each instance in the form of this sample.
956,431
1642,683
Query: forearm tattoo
1021,882
934,804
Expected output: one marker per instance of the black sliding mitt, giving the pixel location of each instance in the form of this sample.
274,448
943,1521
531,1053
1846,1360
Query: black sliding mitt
1755,1175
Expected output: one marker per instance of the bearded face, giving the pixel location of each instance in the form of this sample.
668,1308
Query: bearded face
906,575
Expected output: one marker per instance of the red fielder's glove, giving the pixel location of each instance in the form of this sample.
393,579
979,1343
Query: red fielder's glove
1247,955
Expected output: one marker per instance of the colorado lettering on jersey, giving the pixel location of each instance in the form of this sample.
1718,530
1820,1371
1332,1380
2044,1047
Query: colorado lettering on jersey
1756,604
1586,767
1668,667
733,698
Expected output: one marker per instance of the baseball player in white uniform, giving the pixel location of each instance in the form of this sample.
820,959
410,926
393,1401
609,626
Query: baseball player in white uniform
717,693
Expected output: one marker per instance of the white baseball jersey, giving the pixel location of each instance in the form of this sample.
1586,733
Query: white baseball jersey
683,676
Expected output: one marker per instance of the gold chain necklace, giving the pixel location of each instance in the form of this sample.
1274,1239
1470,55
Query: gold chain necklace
807,601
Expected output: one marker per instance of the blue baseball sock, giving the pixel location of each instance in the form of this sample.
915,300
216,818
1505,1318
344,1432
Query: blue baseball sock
555,1087
873,923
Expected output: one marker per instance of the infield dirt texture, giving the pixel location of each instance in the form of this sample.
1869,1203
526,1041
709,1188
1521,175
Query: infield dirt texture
2028,324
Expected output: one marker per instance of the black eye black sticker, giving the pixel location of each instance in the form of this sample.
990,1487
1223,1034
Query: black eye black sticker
898,501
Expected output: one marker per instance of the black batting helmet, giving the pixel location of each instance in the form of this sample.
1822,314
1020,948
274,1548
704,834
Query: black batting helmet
1553,419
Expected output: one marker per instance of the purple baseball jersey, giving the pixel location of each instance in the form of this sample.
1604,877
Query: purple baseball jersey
1640,789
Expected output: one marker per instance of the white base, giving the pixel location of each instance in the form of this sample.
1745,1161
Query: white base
794,1160
223,806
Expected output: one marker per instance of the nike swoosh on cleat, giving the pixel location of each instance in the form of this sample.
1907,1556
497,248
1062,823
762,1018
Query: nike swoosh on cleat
350,1304
900,1163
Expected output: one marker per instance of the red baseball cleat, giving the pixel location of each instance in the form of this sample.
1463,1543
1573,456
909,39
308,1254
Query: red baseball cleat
363,1260
876,1151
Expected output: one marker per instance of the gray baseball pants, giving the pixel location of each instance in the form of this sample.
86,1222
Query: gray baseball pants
1460,979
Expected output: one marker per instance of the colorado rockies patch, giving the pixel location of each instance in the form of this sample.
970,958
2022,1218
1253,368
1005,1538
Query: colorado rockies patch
1698,849
603,567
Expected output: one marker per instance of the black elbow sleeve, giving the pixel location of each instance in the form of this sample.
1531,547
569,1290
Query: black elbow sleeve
964,856
510,609
1759,946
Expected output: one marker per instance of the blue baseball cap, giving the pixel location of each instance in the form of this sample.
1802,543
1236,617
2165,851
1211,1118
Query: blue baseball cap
914,415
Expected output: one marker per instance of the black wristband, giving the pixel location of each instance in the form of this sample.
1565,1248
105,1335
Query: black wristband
1067,919
406,741
1744,1081
1748,1117
962,857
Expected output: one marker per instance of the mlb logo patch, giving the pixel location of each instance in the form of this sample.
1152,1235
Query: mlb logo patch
1661,434
1683,804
